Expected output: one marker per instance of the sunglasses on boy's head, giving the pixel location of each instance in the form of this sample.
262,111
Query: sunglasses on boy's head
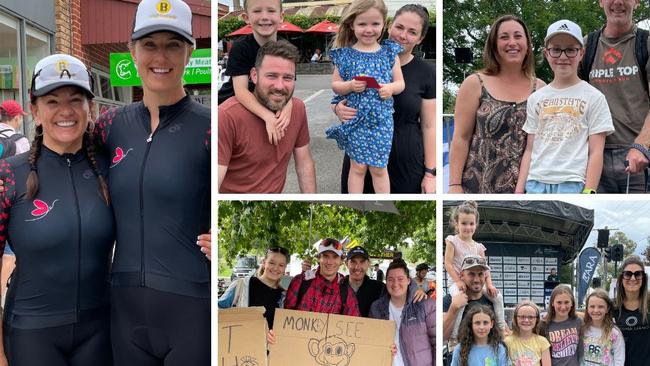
474,260
333,243
637,274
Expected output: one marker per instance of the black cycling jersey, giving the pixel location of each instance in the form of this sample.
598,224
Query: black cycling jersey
160,187
62,239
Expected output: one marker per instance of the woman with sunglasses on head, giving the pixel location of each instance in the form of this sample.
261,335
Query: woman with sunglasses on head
631,310
262,288
160,186
56,213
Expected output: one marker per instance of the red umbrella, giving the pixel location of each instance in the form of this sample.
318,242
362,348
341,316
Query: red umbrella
284,27
324,27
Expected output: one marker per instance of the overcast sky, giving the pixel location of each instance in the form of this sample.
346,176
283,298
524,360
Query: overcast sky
631,217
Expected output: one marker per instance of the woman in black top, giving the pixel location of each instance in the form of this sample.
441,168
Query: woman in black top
632,311
55,211
411,165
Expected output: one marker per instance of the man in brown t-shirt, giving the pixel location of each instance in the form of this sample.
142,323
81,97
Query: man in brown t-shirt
248,163
616,74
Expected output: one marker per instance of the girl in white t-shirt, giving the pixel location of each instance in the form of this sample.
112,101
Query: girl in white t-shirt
602,340
464,220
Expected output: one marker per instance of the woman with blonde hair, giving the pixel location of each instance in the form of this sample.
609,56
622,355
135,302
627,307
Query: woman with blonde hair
490,111
631,310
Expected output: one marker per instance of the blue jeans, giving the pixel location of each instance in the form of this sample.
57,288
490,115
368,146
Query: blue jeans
535,187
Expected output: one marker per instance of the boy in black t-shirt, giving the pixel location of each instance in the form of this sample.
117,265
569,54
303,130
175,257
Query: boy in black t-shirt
264,17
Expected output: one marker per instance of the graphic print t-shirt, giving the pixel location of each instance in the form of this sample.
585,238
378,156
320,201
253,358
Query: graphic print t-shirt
528,352
616,74
566,345
562,121
597,352
636,334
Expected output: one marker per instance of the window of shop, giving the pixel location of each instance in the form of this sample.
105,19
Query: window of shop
10,87
107,96
37,45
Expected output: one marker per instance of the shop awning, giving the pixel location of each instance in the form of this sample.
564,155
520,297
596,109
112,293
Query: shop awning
111,21
284,27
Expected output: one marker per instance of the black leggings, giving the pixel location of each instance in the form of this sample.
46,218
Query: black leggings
155,328
84,343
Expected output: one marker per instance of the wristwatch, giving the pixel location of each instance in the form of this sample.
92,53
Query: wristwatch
588,191
431,171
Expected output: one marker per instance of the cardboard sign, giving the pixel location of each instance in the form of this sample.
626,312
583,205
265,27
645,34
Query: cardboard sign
242,337
306,338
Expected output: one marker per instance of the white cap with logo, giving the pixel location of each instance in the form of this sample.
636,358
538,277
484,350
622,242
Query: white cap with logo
163,15
58,70
566,27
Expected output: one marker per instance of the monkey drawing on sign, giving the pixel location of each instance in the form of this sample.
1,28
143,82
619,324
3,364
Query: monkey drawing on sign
331,351
248,361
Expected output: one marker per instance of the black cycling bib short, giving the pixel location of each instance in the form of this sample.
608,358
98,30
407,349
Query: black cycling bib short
160,187
56,310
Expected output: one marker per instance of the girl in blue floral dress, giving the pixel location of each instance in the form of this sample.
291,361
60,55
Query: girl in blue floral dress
357,53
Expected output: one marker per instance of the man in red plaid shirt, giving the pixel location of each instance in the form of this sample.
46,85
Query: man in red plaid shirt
320,290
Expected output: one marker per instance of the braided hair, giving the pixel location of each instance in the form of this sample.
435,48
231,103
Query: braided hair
88,146
34,153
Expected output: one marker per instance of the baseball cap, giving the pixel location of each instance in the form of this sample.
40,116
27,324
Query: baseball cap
472,261
12,108
58,70
564,26
329,244
163,15
358,251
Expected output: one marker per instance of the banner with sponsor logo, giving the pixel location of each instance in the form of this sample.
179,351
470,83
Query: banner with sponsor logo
124,73
587,263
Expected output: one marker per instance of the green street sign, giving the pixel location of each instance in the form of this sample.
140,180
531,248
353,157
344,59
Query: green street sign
197,71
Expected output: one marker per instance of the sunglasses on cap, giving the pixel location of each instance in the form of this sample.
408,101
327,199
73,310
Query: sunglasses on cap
636,274
61,71
333,243
475,260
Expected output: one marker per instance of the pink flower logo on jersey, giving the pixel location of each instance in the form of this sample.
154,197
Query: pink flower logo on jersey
119,156
41,210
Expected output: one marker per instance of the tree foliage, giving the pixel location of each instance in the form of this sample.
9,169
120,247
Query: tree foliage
252,226
470,23
629,247
229,25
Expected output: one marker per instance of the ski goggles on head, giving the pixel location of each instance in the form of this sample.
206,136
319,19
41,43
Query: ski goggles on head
329,244
60,70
